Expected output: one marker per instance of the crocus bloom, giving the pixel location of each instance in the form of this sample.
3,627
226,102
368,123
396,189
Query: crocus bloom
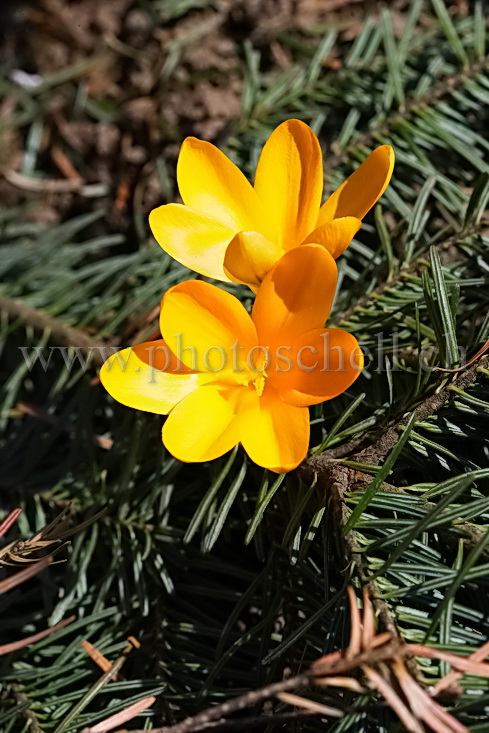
225,378
229,230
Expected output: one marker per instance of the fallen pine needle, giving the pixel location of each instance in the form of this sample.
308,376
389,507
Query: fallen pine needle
123,717
309,705
14,646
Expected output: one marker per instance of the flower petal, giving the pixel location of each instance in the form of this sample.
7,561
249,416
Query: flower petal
210,183
206,327
335,235
195,240
148,377
289,181
362,189
325,363
206,424
275,435
295,296
249,257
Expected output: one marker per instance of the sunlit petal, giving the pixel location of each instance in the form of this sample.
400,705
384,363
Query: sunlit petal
357,195
210,183
148,377
206,424
289,181
335,235
249,257
275,436
296,295
195,240
323,364
206,327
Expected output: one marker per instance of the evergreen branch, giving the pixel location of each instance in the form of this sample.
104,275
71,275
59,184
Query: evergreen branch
447,85
377,450
59,332
337,480
366,651
212,715
405,273
360,481
428,407
23,701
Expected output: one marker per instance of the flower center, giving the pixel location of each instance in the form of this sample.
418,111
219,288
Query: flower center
259,383
258,375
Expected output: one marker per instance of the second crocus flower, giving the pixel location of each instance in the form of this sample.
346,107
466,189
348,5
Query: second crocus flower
228,229
225,378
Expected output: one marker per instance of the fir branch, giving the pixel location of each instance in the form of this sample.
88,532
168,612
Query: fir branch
376,450
19,696
59,332
447,85
406,272
337,480
380,657
207,717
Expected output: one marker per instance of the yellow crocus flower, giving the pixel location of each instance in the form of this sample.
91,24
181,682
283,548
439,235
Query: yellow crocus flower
225,377
228,229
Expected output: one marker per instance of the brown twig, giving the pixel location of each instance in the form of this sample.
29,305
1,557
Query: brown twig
337,480
60,332
376,450
235,705
19,696
50,185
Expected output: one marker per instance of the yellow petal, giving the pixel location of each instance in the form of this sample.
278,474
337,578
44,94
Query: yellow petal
210,183
206,327
296,295
335,235
325,363
362,189
195,240
249,257
275,435
148,377
289,181
206,424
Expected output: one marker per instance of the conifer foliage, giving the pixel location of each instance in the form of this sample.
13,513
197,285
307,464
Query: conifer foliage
225,577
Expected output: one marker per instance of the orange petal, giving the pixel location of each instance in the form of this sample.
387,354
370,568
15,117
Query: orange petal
325,363
206,424
249,257
275,435
148,377
295,296
206,327
289,181
335,235
210,183
362,189
195,240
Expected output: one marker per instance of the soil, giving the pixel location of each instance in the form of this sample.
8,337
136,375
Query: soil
140,79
